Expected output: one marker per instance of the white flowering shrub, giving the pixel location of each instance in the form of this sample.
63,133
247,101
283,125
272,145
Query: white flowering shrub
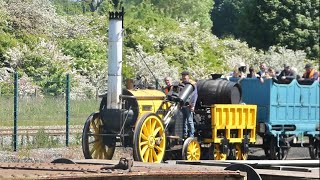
35,16
275,57
27,88
81,87
157,63
234,52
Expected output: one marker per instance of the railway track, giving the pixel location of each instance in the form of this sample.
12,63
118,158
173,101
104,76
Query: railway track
126,168
33,130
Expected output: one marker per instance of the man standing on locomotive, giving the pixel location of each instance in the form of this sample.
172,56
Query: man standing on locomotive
188,108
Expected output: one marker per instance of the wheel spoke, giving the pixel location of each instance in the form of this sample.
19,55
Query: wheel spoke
96,129
155,132
155,156
143,143
150,155
146,155
149,126
189,156
145,130
144,137
160,149
143,150
95,155
94,141
92,151
153,125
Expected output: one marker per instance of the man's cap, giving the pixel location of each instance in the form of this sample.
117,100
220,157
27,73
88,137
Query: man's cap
185,73
308,66
286,65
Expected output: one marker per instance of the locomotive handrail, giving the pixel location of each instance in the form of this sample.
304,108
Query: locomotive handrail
127,97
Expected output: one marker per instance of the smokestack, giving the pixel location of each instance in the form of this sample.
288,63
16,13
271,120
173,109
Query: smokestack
115,60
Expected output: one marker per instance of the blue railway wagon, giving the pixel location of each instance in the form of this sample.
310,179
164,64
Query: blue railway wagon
285,112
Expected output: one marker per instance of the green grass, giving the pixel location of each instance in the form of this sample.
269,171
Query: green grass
45,111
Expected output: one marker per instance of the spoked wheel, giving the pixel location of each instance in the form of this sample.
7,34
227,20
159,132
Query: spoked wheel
217,154
277,153
93,146
314,148
240,155
149,139
191,149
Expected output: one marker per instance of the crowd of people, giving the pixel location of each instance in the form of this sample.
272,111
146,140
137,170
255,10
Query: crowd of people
285,76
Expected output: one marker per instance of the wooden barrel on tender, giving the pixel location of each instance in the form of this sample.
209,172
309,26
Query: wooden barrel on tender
218,91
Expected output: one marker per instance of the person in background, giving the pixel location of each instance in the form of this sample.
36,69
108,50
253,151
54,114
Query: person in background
252,73
188,108
241,71
287,74
310,73
263,70
271,74
168,85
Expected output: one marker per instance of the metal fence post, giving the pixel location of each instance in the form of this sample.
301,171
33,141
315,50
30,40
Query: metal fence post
67,108
15,112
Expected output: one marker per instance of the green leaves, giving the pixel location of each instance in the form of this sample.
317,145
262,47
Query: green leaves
267,23
89,56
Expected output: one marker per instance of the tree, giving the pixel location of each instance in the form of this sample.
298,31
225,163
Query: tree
194,11
264,23
225,17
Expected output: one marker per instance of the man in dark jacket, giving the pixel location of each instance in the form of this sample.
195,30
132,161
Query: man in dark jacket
287,74
188,109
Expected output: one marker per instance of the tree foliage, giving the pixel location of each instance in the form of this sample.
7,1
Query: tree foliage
187,10
57,37
293,23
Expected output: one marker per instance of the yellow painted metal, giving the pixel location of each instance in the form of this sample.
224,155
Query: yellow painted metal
233,121
98,150
149,100
239,154
152,140
217,155
193,151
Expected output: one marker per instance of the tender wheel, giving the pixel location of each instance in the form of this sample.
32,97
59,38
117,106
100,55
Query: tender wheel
149,139
239,154
277,153
314,148
217,154
266,146
191,149
93,146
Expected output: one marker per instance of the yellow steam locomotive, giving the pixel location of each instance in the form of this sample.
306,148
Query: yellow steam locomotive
149,121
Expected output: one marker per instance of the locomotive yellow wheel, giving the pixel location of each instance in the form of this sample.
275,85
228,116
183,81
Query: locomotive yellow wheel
217,154
149,139
239,155
191,149
93,146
